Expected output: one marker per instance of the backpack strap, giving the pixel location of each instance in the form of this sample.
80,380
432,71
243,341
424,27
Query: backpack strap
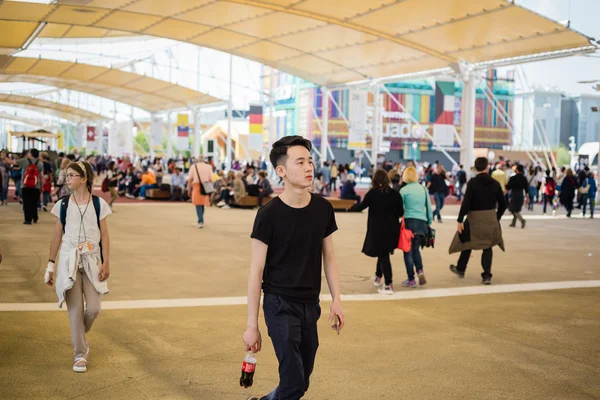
63,210
96,202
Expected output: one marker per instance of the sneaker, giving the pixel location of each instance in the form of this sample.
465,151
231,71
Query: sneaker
456,271
141,198
554,213
409,284
221,203
27,223
440,221
377,281
386,289
129,196
200,226
422,280
45,209
487,281
523,224
226,207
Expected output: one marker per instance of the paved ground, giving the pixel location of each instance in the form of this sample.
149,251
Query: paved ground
534,345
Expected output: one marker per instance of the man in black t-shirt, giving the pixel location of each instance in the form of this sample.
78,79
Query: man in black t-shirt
292,234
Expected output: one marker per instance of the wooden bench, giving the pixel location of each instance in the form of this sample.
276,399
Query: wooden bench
252,201
157,194
340,204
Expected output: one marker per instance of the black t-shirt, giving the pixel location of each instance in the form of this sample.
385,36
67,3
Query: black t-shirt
295,239
438,184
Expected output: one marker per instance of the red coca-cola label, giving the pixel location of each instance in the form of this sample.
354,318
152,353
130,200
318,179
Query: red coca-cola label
248,367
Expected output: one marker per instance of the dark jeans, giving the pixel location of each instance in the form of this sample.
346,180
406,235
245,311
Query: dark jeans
412,259
548,200
568,203
384,268
533,194
46,196
585,198
293,330
333,184
486,262
200,214
262,195
439,198
31,197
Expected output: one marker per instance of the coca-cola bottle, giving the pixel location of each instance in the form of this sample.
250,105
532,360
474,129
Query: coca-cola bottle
248,368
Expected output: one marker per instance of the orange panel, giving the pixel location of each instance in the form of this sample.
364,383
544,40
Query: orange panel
180,30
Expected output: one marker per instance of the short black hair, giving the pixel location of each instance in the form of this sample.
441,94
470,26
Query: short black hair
481,164
520,168
35,153
278,154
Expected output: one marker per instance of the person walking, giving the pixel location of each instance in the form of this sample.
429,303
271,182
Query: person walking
383,227
483,206
567,191
81,232
32,171
519,188
461,181
588,194
334,176
549,192
326,172
292,237
532,187
200,174
417,219
113,175
439,189
4,177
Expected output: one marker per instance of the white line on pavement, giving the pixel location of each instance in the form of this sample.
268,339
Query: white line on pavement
407,294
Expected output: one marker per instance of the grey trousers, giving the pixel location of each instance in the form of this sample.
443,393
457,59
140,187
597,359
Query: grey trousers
80,318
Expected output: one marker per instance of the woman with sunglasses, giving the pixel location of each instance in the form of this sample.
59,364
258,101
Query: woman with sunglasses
81,232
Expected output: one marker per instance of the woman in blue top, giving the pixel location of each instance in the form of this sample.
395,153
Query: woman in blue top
590,195
417,218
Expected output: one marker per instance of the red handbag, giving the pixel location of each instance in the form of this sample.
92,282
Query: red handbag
405,240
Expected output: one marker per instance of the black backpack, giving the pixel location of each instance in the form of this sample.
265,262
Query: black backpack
63,214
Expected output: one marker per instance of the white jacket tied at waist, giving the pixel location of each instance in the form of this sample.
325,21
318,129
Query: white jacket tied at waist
68,263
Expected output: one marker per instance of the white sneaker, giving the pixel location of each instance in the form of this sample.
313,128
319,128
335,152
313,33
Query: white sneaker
200,226
129,196
221,203
386,290
141,198
377,281
225,207
80,365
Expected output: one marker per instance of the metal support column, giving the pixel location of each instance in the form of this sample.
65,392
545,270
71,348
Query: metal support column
325,123
170,152
229,150
197,134
376,133
272,133
468,123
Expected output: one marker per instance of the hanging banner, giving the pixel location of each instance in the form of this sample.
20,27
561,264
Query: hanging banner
183,132
120,141
90,139
80,132
156,134
305,115
61,141
255,120
443,130
357,135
